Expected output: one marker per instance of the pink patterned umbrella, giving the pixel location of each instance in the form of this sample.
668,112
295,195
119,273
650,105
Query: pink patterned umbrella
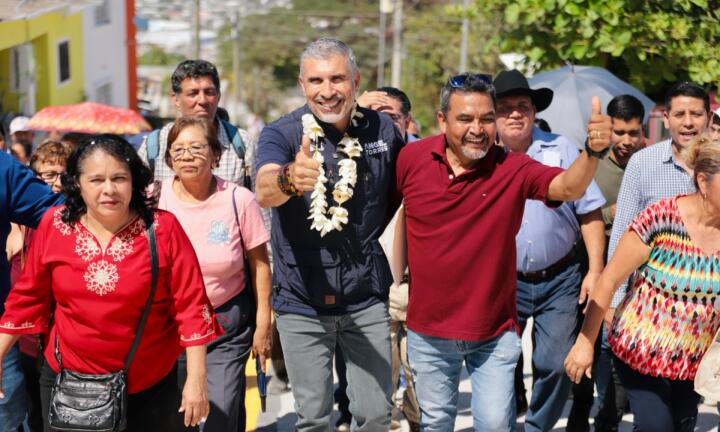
89,117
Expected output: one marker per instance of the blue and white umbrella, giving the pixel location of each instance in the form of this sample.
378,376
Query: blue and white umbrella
574,87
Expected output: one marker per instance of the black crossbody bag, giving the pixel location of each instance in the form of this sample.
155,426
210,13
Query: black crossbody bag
98,402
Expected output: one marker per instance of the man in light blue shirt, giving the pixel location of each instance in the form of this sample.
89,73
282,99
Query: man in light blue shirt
548,269
658,171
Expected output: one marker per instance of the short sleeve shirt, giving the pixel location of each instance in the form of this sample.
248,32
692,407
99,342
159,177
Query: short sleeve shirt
346,270
461,237
213,229
668,318
547,235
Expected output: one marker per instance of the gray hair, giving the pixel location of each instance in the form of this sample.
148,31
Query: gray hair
326,47
471,84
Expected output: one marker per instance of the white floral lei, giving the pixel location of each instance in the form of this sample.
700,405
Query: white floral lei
343,189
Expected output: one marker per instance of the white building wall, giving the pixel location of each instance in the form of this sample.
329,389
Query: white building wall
105,60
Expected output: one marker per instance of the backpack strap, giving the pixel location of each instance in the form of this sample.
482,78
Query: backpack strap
152,145
234,137
239,146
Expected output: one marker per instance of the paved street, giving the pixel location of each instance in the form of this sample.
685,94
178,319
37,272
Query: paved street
280,416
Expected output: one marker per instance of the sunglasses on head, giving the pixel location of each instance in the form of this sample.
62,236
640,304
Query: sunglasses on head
459,80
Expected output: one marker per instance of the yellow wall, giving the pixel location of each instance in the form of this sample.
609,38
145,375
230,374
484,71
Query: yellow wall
44,32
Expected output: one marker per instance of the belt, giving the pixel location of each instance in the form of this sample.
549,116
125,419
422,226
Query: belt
550,272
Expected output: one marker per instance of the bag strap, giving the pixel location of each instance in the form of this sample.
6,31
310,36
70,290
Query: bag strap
233,135
150,231
237,221
152,244
152,145
238,145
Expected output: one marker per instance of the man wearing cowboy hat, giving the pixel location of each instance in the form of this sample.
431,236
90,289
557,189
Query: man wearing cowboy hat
549,285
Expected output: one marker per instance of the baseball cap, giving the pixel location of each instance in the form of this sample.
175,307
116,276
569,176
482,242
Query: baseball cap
19,124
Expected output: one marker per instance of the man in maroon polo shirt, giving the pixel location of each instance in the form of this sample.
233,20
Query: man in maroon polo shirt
464,200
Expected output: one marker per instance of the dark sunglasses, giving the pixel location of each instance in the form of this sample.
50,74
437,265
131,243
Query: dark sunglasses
459,80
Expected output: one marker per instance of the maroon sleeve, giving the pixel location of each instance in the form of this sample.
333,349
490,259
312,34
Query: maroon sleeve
537,179
400,173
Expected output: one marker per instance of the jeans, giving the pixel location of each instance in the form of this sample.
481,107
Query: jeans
659,404
13,406
553,306
309,346
610,391
436,364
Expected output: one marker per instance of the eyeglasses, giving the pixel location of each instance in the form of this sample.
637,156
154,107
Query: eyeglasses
459,80
49,176
194,150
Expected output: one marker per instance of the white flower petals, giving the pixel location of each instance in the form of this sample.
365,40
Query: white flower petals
311,128
343,190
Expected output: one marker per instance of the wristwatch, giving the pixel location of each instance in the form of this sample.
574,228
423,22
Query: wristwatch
596,154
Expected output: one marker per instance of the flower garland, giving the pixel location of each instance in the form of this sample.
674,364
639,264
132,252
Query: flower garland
343,189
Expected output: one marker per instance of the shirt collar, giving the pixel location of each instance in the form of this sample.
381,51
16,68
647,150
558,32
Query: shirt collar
541,140
667,155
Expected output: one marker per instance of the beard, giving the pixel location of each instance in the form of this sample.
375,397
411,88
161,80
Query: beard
476,154
346,106
332,118
473,154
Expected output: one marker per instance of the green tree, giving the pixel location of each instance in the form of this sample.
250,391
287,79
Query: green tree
648,43
432,42
156,56
271,44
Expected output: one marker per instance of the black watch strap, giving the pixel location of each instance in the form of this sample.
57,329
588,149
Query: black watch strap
596,154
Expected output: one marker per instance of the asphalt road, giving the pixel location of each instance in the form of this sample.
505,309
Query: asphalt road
280,415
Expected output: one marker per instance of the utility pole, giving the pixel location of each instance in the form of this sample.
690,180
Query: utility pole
386,7
397,44
464,41
196,53
236,66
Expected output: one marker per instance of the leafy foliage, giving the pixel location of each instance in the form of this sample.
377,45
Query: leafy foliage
272,42
156,56
648,43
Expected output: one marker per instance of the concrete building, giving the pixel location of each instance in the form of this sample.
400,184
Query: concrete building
56,52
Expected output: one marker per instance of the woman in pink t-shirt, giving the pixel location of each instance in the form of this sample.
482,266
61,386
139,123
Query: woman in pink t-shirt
224,224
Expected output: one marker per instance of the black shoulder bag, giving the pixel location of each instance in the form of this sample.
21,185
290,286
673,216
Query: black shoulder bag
98,402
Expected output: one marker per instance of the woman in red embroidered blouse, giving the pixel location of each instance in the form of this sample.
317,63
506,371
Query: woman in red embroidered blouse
89,268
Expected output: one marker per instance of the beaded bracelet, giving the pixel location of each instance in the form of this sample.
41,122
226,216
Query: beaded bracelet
285,183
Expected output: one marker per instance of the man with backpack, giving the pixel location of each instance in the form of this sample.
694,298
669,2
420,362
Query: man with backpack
196,93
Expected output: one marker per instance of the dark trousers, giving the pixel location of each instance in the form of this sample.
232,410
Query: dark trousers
340,394
31,369
659,404
226,359
151,410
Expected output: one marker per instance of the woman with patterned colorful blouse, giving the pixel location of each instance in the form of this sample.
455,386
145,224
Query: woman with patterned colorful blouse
668,319
86,280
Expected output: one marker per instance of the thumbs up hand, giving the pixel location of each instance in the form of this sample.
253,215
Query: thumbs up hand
305,171
599,127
